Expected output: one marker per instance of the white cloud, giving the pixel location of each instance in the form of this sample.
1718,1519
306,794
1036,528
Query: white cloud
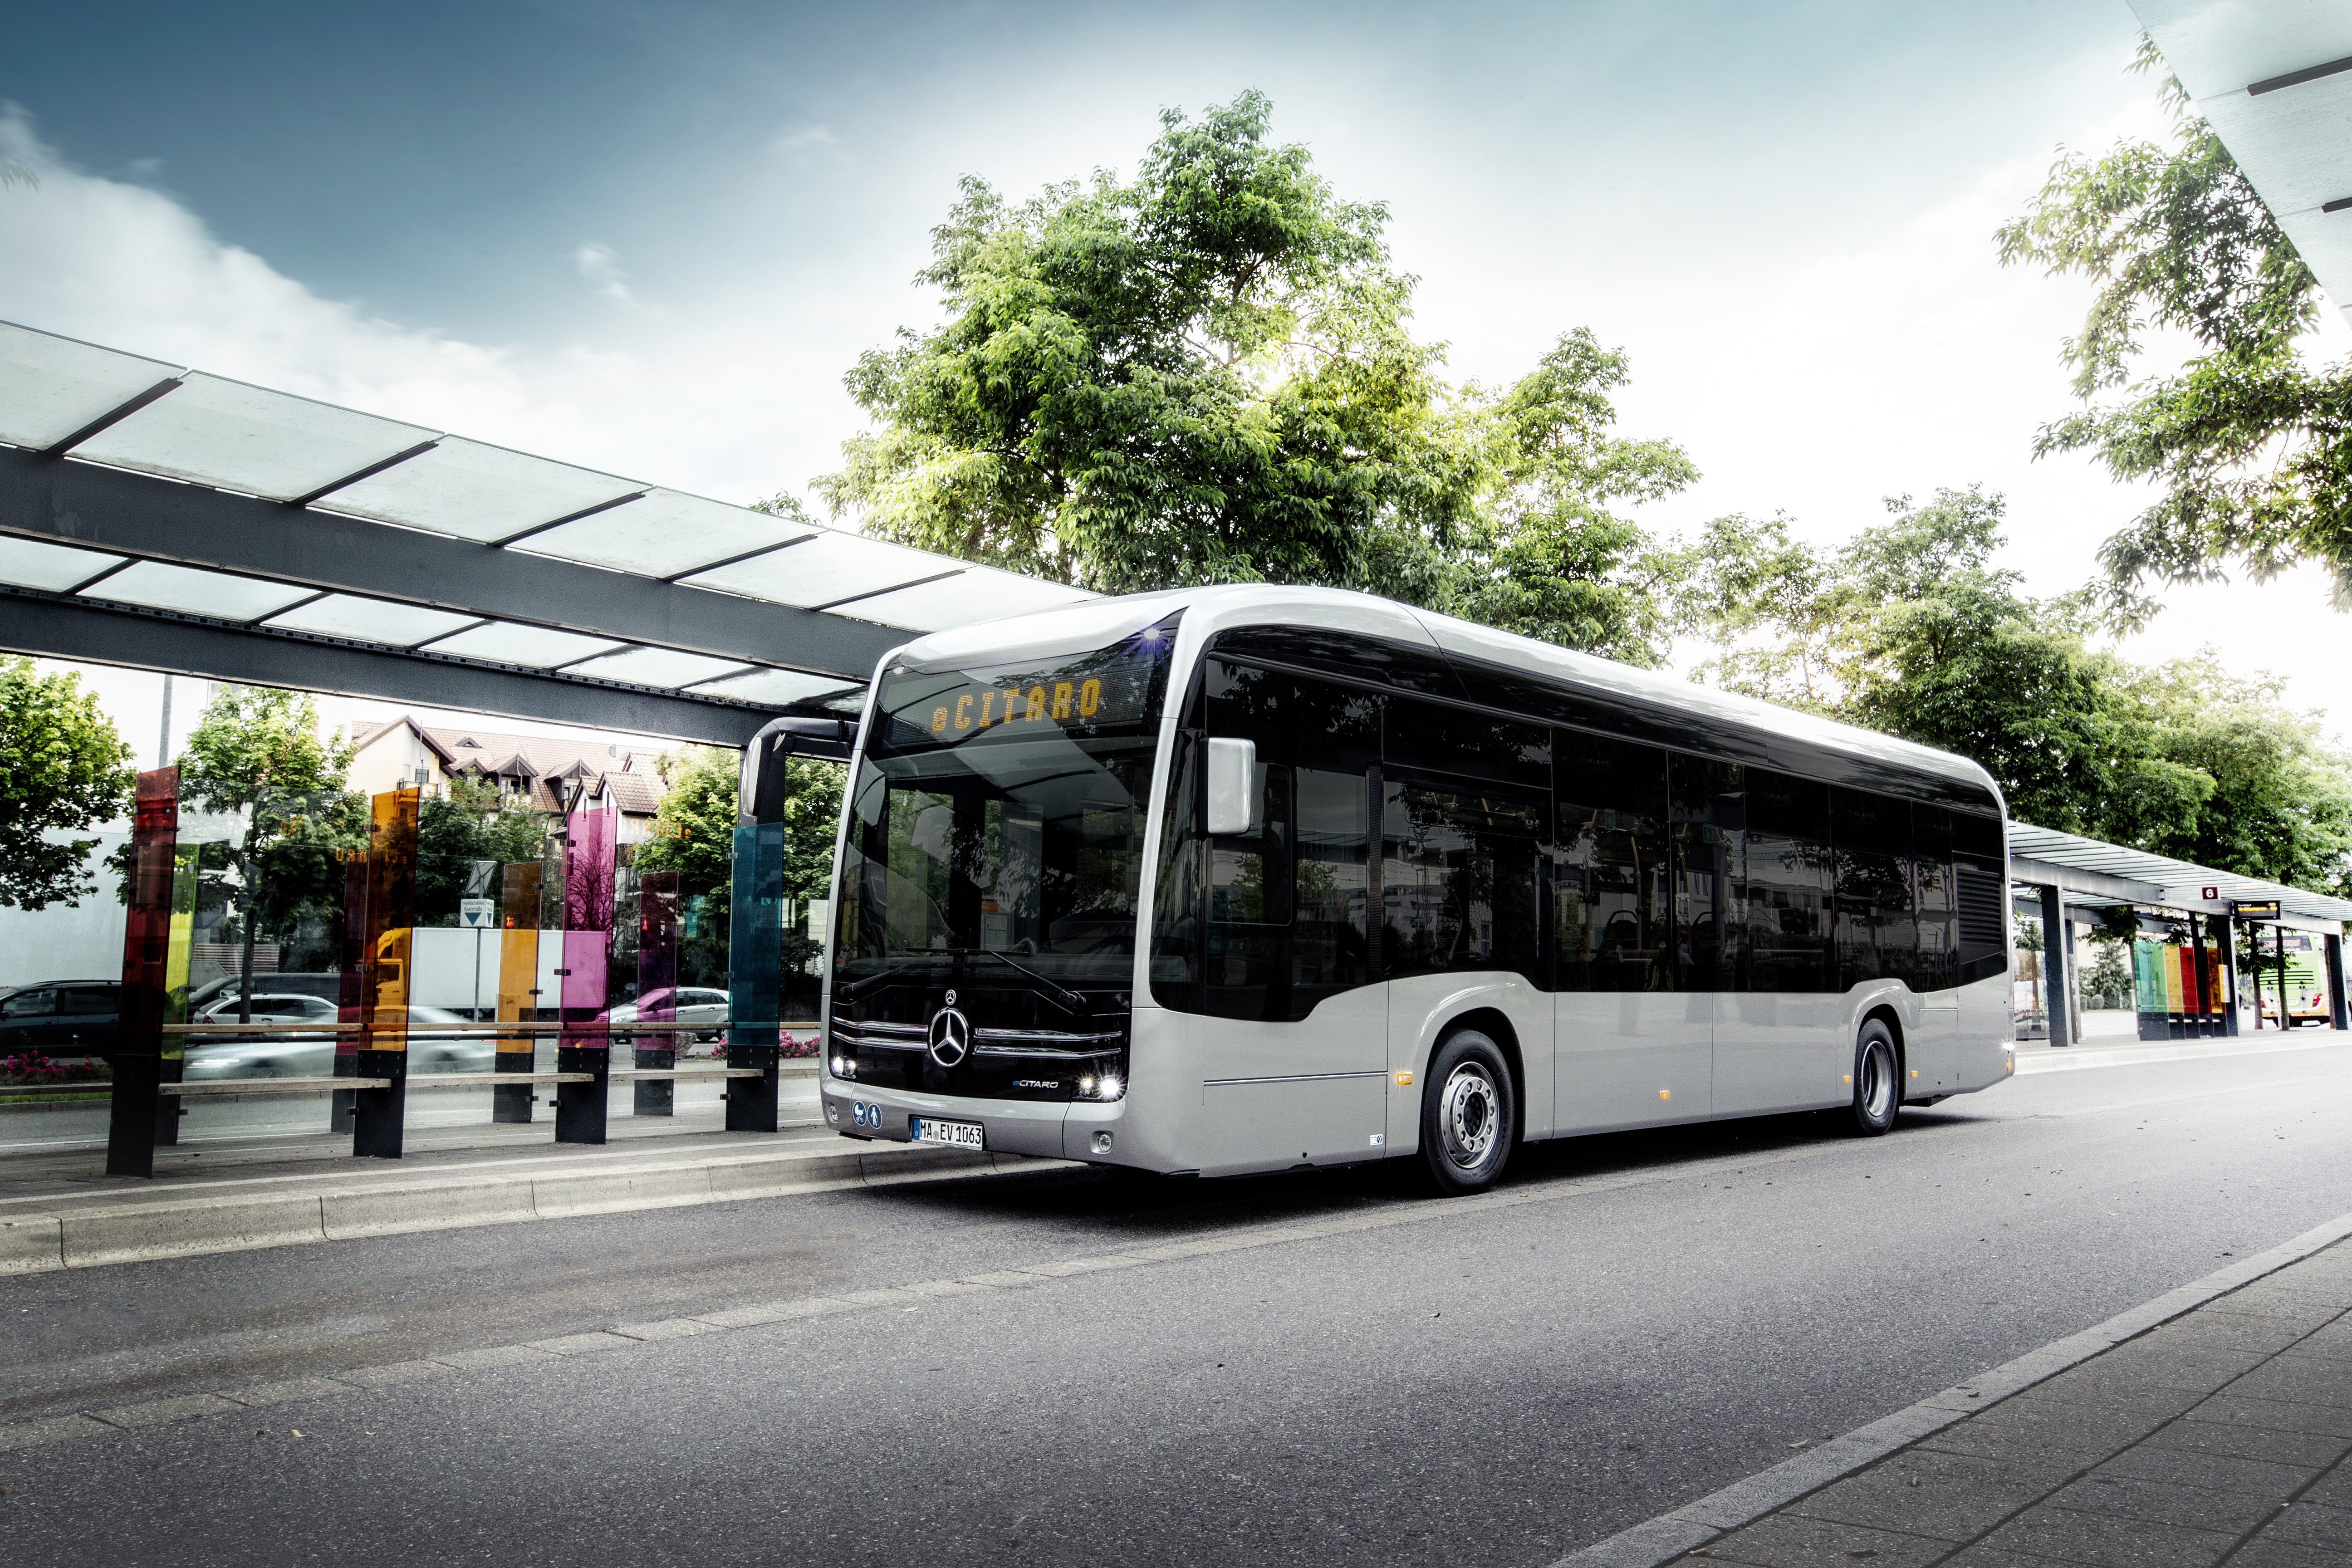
806,145
734,401
601,266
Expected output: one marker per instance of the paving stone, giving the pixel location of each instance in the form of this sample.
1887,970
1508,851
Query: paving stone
53,1429
1958,1497
746,1317
669,1328
2305,1316
1999,1557
2277,1415
2151,1388
581,1344
392,1372
2267,1551
294,1390
2048,1530
2315,1525
2221,1331
2303,1382
157,1412
2049,1420
2334,1488
1785,1540
2218,1437
2212,1472
1007,1278
2127,1496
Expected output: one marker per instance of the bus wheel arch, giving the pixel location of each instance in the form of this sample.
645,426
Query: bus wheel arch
1878,1073
1472,1100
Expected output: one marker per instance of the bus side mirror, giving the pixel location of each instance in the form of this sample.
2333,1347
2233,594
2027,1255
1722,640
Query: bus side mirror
1232,780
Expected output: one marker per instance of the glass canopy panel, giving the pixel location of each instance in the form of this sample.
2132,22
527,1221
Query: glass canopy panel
831,565
479,491
974,595
52,386
220,432
655,666
775,686
29,563
665,533
217,594
506,643
371,620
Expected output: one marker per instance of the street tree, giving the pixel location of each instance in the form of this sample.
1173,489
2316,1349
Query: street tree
63,769
2248,441
1206,374
257,753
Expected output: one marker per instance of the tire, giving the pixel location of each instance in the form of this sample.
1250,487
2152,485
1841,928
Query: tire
1469,1114
1877,1080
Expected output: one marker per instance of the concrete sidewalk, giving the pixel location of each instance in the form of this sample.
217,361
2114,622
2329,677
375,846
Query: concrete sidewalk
2217,1435
55,1214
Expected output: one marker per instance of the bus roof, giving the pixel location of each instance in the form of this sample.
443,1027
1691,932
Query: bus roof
1079,627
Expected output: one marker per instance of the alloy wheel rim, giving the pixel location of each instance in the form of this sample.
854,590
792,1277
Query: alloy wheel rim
1469,1114
1877,1082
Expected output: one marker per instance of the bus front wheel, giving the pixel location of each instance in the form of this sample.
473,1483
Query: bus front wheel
1469,1114
1877,1080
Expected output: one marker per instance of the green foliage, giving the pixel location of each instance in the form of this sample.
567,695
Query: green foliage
1205,376
1910,630
694,835
470,823
63,768
2107,982
2252,447
256,752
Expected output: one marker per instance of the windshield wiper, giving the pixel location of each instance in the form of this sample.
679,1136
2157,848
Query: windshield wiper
1054,988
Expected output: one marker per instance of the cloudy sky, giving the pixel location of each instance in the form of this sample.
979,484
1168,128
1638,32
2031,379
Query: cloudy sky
650,237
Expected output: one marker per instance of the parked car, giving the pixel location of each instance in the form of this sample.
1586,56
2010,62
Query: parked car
699,1008
326,984
432,1047
62,1019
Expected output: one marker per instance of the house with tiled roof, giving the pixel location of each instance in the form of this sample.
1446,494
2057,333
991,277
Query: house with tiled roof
550,775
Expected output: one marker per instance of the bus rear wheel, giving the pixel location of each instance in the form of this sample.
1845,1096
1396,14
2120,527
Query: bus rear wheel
1469,1114
1877,1080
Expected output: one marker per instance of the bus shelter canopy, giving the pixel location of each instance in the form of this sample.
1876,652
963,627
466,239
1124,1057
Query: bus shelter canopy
162,517
2274,79
2112,871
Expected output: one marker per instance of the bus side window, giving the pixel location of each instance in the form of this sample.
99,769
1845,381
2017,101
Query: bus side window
1609,903
1878,922
1783,894
1710,821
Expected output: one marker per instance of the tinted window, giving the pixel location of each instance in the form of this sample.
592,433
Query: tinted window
1709,817
1783,897
1609,905
1429,737
1935,898
1267,924
90,999
1458,881
41,1004
1400,665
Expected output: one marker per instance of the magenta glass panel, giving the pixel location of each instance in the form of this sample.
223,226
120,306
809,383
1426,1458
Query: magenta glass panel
147,927
353,964
587,920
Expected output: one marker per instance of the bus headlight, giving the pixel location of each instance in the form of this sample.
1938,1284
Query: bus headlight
1105,1086
844,1065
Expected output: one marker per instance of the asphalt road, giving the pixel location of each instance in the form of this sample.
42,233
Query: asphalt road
1662,1315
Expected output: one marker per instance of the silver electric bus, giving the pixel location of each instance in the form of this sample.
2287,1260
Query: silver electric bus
1237,879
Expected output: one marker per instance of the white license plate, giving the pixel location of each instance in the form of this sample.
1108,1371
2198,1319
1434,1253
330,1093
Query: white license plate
955,1134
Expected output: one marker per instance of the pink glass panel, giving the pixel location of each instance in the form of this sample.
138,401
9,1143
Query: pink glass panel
587,920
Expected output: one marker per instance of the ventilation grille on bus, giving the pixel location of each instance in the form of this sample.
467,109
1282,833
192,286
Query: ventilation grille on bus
1980,897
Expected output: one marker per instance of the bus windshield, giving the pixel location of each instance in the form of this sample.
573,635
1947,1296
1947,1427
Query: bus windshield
1000,810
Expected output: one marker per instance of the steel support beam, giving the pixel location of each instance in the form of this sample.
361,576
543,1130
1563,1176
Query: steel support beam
93,633
67,502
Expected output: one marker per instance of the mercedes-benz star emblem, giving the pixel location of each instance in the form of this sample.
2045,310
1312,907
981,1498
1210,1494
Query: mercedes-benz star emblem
951,1036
